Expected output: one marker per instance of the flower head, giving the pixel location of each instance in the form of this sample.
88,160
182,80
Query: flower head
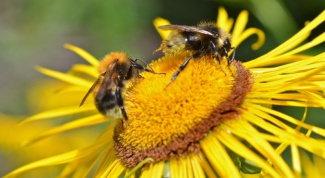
177,127
211,121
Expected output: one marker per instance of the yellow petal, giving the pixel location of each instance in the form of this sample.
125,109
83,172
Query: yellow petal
296,163
84,54
239,148
206,166
58,159
239,27
223,21
289,44
116,172
218,157
160,22
154,169
82,122
197,167
86,69
58,112
65,77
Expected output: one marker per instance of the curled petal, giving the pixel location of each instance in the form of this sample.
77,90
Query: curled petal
239,33
298,38
249,32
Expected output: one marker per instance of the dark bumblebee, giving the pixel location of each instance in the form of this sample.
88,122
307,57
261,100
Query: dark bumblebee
205,39
115,69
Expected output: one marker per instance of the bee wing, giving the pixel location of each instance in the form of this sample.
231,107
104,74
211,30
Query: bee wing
107,80
184,28
89,91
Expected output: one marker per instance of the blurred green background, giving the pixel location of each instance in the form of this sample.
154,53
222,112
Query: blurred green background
32,32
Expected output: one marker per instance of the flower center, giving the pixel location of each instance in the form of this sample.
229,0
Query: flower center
171,121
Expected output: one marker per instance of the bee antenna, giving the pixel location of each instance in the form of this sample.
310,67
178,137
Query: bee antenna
144,62
141,61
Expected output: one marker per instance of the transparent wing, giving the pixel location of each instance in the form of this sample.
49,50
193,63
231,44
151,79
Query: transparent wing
184,28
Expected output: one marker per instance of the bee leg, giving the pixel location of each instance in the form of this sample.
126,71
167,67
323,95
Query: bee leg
218,59
120,102
125,116
233,56
140,67
217,55
182,67
199,54
152,71
214,48
225,52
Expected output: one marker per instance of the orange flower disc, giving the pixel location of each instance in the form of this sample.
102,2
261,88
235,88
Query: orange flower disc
165,122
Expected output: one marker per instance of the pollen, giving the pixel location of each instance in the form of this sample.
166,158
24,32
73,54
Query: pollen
171,121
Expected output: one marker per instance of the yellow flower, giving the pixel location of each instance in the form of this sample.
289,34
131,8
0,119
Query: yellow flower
212,121
311,168
14,154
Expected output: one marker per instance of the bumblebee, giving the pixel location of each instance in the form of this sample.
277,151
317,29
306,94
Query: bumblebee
115,69
205,39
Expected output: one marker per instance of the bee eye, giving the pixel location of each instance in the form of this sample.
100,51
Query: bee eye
169,45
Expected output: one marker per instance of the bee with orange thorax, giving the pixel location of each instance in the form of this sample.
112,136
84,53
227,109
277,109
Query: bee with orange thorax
115,69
